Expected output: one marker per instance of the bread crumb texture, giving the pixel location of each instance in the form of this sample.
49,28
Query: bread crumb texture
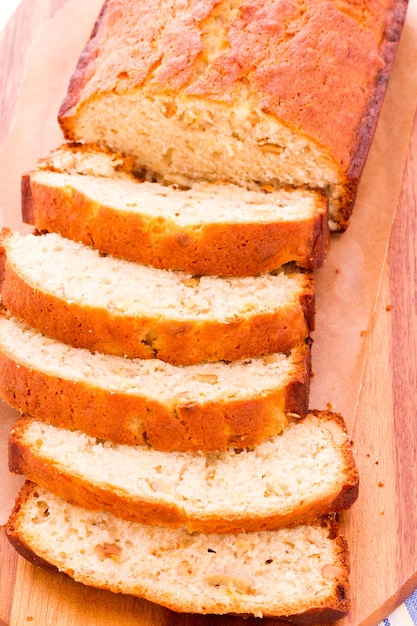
207,228
205,407
265,573
298,475
236,90
74,293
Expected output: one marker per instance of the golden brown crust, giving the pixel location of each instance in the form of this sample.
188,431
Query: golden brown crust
349,494
276,80
219,249
90,495
391,30
293,70
134,419
178,342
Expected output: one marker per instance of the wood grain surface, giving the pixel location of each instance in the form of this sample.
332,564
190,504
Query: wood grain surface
382,529
382,526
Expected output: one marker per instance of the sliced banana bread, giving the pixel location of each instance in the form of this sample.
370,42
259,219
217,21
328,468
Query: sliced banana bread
73,293
91,195
300,572
305,472
206,407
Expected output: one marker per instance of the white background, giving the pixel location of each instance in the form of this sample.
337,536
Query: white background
7,8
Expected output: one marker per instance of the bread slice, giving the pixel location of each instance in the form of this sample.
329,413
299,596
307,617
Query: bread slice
301,572
207,407
209,228
73,293
250,92
305,472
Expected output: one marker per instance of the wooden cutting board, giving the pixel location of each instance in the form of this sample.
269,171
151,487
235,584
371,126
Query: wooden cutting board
382,526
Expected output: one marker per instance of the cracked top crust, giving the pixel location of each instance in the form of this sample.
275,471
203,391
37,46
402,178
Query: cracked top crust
290,59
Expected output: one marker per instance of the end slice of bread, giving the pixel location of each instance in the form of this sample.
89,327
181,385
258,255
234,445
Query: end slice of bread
91,195
73,293
300,573
305,472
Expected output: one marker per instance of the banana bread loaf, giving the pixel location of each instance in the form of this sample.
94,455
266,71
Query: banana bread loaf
254,92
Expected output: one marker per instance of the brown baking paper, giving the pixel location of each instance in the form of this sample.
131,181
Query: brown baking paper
347,285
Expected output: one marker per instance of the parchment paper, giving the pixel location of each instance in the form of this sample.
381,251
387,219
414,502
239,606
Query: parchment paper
347,285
